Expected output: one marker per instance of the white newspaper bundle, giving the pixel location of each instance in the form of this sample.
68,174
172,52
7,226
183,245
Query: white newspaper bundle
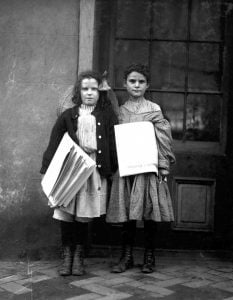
67,172
137,150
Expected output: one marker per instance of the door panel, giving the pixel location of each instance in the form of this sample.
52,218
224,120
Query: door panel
194,203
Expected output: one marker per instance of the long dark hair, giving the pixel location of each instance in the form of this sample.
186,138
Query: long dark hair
76,99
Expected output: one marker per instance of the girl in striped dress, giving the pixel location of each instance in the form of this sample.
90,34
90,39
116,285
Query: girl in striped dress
143,196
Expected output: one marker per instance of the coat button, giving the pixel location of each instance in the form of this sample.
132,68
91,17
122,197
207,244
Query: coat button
98,123
100,137
99,166
99,151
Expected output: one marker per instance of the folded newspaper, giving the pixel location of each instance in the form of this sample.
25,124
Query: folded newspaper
137,150
67,172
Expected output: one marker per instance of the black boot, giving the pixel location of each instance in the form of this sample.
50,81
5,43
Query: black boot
126,260
78,264
67,250
66,267
149,261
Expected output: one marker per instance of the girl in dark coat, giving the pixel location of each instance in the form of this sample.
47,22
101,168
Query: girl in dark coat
90,123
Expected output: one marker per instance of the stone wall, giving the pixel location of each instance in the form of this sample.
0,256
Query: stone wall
38,63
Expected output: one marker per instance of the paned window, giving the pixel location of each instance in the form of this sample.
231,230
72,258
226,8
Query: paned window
182,43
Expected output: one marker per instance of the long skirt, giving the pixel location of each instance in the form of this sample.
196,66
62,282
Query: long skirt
146,198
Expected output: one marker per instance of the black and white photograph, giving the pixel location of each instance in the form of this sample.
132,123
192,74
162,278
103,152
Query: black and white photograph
116,149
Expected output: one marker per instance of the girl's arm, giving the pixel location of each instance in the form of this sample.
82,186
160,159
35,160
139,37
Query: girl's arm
114,101
166,155
104,86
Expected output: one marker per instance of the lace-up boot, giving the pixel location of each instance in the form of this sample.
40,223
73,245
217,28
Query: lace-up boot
126,260
78,262
149,261
66,267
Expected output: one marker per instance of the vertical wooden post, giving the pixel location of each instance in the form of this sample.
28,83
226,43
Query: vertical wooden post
86,34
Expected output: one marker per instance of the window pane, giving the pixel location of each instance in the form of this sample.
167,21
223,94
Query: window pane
205,20
133,19
126,53
168,65
172,106
204,67
203,118
170,19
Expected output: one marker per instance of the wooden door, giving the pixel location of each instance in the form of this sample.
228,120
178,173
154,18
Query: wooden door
184,44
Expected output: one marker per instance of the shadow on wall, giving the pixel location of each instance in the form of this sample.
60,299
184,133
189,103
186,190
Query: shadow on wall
28,232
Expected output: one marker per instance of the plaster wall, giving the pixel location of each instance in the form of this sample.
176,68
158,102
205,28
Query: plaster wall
38,62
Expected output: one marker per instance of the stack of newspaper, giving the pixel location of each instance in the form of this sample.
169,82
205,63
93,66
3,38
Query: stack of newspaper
137,150
67,172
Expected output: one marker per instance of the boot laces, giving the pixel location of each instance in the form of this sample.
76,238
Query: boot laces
149,257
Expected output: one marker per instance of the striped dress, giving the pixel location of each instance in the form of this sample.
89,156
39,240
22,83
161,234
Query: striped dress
143,196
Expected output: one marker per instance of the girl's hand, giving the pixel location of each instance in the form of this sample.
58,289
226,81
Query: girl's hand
162,175
113,175
104,86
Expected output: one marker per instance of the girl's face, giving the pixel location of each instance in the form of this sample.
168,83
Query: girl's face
89,91
136,85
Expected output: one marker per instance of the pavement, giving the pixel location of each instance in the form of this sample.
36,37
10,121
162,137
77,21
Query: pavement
179,275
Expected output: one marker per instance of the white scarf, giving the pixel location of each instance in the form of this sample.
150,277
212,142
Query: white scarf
86,131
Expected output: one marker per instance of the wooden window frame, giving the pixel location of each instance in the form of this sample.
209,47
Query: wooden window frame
216,148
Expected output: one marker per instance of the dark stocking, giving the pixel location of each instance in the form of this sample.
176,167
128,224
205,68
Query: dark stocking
79,233
66,233
128,233
149,233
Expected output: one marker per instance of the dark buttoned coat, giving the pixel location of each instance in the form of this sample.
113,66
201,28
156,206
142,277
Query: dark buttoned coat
106,158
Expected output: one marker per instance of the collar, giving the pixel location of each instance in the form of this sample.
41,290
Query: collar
89,108
75,111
